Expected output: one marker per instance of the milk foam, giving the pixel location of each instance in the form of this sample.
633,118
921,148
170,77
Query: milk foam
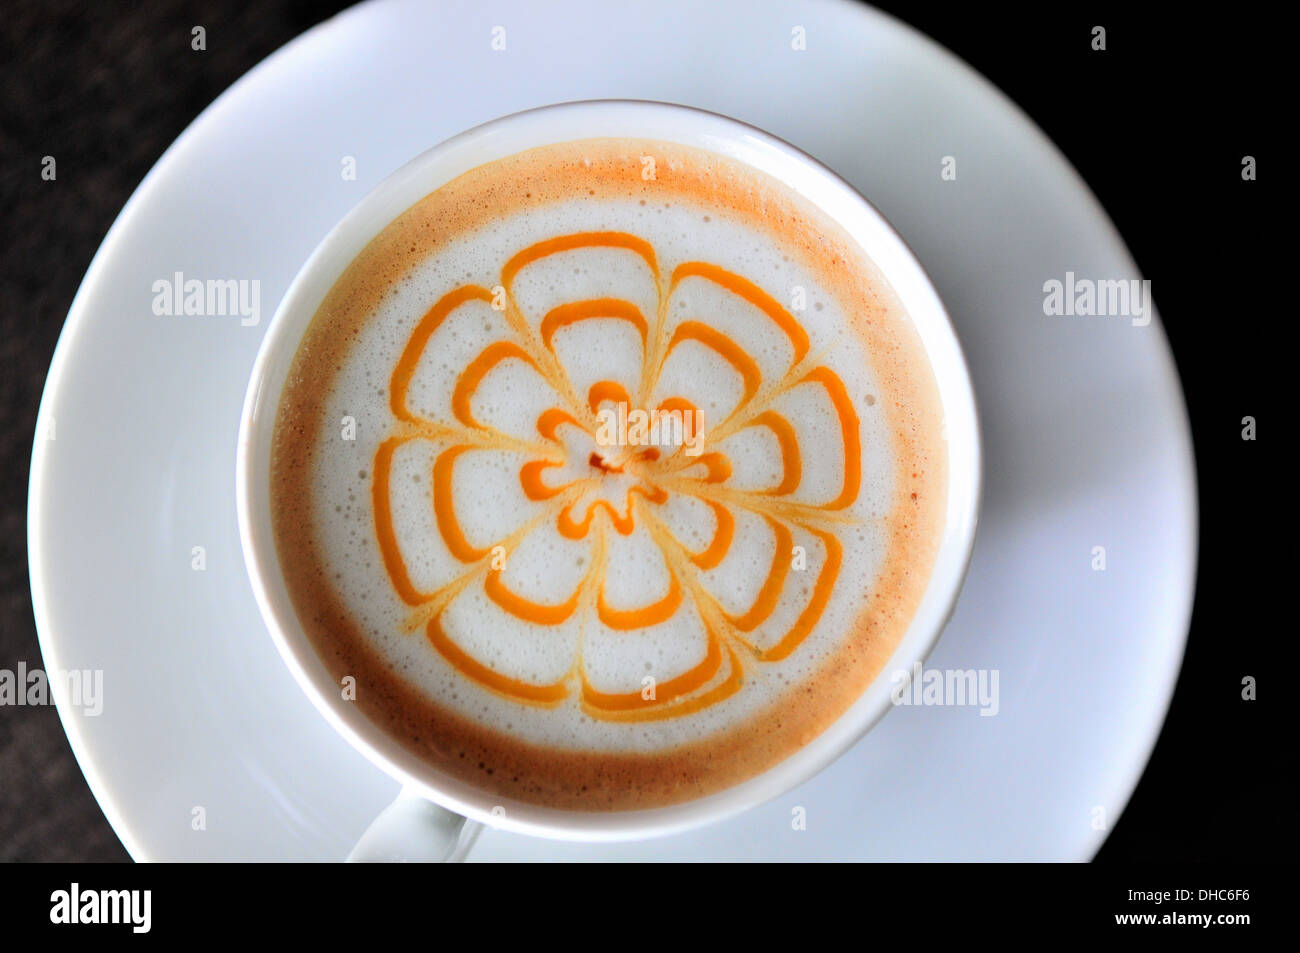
490,503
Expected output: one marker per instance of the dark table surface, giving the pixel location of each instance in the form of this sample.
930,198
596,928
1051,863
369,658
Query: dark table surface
104,89
1157,127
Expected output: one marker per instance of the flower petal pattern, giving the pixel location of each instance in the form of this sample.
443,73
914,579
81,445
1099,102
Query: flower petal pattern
669,512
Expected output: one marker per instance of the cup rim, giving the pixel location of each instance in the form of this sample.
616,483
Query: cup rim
431,170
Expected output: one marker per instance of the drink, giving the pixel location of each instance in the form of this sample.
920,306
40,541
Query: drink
612,472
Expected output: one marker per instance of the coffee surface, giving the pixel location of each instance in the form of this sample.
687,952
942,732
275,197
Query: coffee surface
613,473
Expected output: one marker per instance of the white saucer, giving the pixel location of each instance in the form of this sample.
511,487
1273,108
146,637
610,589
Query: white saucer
1086,436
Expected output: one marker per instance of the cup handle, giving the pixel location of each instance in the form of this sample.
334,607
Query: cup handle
415,830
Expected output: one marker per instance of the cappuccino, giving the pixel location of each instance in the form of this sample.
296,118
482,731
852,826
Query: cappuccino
613,473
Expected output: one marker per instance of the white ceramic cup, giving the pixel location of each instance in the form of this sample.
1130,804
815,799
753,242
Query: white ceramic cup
428,820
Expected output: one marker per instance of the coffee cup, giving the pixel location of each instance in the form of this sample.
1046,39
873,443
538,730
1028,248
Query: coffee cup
440,810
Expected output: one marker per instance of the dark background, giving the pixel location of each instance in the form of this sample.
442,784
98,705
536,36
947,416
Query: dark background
1157,125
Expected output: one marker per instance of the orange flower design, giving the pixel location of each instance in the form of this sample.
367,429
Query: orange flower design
592,493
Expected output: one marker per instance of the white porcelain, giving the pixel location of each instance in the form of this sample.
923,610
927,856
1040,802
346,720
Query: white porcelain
1085,437
508,136
414,829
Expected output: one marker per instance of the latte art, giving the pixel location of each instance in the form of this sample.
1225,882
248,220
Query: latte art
571,479
643,481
